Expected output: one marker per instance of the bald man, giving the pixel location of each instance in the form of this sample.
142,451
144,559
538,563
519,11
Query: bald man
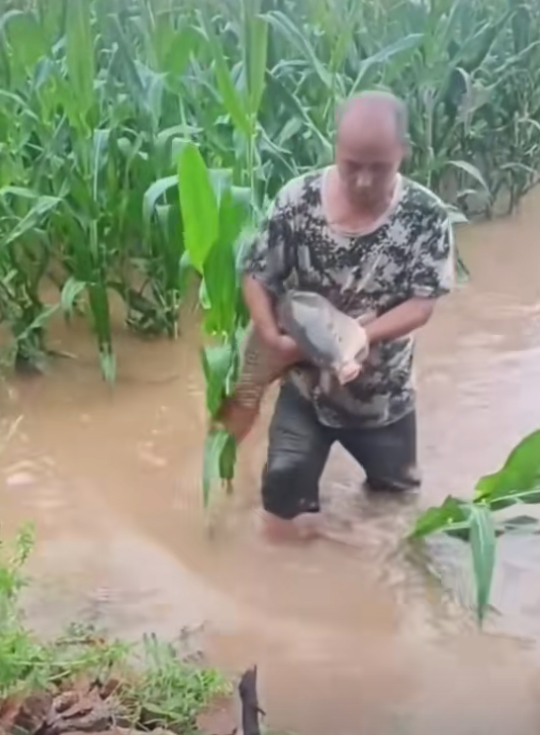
380,247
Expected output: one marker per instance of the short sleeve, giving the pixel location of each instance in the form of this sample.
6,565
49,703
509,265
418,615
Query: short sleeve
433,268
269,258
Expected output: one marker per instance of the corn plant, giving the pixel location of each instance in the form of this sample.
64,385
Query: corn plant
516,483
100,97
215,213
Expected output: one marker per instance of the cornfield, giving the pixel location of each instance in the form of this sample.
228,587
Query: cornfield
141,139
107,105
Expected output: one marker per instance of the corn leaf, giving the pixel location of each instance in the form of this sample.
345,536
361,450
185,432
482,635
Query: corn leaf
220,269
216,362
34,218
257,61
80,54
231,98
433,520
519,474
200,213
483,547
71,290
153,194
214,448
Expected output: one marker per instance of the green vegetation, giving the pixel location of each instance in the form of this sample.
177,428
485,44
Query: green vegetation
153,685
516,483
141,139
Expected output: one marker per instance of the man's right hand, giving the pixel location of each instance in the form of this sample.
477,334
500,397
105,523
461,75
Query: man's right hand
285,346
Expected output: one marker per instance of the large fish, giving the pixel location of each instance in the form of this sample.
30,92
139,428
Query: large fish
334,343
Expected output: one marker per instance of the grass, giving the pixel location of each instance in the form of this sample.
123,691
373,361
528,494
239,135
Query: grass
156,686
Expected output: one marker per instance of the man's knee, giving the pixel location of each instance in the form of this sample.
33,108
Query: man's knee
289,485
401,480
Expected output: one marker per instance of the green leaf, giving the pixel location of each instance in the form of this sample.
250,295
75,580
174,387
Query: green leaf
200,213
219,271
527,497
216,362
107,362
231,98
227,462
520,473
257,61
153,194
80,54
177,54
214,447
42,206
407,43
483,546
471,171
300,41
433,520
71,290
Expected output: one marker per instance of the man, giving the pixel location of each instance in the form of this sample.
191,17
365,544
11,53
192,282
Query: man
380,248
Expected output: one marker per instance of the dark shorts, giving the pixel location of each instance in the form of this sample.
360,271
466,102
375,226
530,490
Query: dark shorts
299,446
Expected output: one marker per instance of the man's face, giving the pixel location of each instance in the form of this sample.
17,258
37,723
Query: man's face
368,163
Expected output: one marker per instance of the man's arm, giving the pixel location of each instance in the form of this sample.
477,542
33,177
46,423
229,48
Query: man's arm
432,276
261,308
400,321
265,269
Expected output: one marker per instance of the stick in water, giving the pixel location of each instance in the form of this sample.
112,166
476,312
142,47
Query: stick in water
250,702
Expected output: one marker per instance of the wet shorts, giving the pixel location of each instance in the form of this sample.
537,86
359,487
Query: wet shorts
299,446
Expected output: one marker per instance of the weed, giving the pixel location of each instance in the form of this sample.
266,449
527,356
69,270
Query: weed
157,687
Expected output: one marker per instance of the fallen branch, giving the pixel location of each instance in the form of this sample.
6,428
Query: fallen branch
250,703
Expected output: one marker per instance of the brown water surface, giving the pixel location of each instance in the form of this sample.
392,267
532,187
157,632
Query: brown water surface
350,639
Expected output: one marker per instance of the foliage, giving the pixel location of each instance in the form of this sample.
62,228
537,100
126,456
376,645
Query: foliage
169,693
140,138
168,690
517,482
100,98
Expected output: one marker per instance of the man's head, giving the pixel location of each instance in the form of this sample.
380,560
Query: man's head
371,143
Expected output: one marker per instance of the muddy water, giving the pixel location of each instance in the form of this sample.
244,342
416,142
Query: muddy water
349,638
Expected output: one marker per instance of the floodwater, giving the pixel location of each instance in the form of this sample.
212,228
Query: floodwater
350,639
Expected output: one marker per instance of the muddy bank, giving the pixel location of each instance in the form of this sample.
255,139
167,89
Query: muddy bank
112,481
109,705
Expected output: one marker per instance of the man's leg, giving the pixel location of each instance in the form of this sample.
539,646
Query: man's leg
298,449
387,454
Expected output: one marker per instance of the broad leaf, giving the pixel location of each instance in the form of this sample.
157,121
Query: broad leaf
216,362
433,520
214,447
521,472
200,213
71,290
231,98
153,194
220,269
483,545
80,54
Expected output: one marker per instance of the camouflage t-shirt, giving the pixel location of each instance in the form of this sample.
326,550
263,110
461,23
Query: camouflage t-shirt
410,254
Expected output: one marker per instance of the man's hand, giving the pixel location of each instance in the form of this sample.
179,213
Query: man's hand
285,346
400,321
